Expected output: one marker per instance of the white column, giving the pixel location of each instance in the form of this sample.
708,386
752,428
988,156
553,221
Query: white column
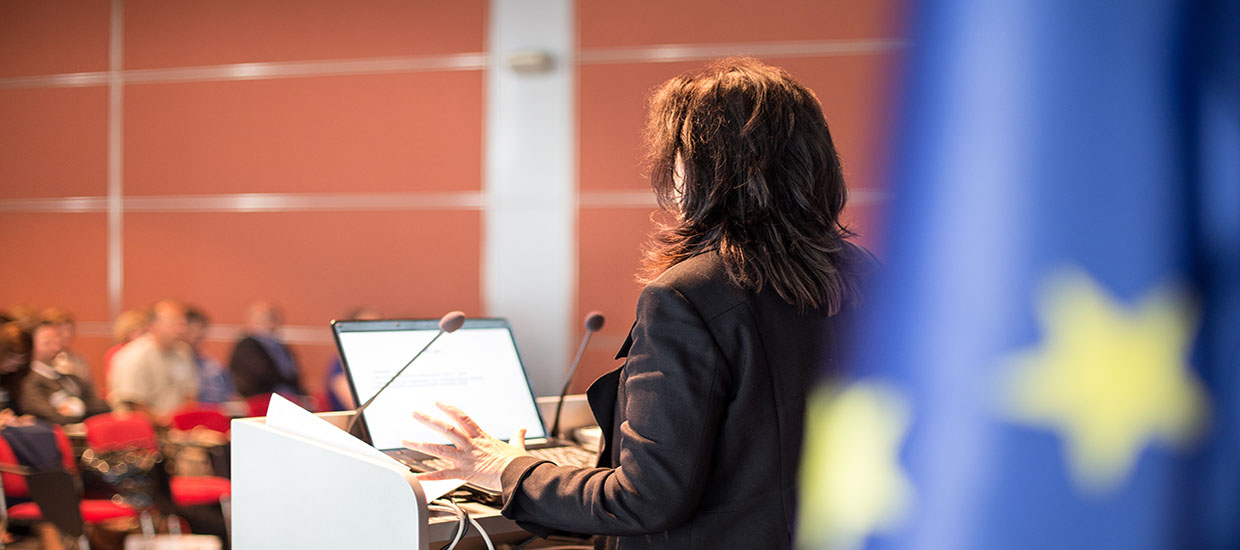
529,249
116,159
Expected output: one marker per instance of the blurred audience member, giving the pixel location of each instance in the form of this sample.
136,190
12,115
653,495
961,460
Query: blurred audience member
339,398
49,394
127,327
37,440
215,383
155,372
14,362
261,363
68,362
25,316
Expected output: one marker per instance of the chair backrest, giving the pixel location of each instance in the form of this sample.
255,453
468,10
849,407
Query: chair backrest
207,418
56,493
15,484
111,431
258,404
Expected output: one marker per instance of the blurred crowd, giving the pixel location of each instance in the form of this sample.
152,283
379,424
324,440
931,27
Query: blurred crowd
156,365
156,370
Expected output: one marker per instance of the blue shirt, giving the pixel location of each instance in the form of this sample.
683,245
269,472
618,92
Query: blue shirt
215,383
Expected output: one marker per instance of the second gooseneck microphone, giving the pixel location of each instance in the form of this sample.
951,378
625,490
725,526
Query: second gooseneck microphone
448,323
594,322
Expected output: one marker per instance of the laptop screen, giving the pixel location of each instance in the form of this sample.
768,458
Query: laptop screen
476,368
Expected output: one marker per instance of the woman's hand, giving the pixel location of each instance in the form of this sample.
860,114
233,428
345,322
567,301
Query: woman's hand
477,457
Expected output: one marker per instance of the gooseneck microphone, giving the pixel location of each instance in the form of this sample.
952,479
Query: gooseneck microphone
448,323
594,322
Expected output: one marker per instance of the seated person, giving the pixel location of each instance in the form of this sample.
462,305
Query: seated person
68,361
215,383
52,395
339,398
14,362
33,444
154,374
261,363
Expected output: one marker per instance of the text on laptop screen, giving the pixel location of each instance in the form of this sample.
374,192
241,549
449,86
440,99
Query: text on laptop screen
477,369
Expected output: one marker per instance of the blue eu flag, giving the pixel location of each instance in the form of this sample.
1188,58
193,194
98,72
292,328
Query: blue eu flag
1053,359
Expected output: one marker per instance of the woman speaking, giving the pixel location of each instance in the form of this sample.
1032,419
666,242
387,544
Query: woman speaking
702,425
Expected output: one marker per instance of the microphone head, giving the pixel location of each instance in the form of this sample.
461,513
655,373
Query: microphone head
452,321
594,321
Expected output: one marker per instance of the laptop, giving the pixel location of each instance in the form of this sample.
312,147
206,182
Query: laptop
476,368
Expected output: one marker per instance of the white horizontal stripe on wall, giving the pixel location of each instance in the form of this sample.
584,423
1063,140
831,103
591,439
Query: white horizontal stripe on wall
258,71
471,61
292,334
257,202
667,53
343,202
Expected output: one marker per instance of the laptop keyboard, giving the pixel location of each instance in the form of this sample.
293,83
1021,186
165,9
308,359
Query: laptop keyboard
567,455
563,456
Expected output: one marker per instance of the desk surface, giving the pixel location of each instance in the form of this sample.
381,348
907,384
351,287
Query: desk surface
500,529
443,525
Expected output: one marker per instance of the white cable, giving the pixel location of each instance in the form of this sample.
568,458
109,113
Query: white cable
482,532
445,505
461,515
460,527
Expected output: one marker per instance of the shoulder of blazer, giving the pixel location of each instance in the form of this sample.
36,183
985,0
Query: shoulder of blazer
703,281
628,344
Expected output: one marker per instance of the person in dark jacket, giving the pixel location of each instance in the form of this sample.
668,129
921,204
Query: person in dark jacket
52,395
261,363
702,425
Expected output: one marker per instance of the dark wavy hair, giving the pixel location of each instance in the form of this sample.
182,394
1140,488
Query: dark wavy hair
761,182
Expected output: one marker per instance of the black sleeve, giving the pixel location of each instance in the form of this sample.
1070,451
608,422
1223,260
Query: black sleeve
251,368
674,397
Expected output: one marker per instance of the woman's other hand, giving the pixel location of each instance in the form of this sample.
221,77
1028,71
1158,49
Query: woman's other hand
476,457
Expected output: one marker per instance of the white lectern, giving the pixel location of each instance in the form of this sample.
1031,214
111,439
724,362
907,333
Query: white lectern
292,492
289,491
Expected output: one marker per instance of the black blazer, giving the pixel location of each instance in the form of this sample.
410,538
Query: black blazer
255,372
702,424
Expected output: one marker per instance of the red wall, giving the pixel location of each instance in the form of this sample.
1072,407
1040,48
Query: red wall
350,135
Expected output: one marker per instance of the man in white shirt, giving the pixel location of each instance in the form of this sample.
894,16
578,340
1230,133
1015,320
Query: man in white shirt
155,372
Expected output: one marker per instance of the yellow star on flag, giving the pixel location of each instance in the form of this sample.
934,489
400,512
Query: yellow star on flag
1109,379
852,484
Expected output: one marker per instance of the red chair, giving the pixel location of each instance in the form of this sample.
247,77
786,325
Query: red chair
15,483
209,418
56,491
199,490
258,404
115,431
196,490
121,431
